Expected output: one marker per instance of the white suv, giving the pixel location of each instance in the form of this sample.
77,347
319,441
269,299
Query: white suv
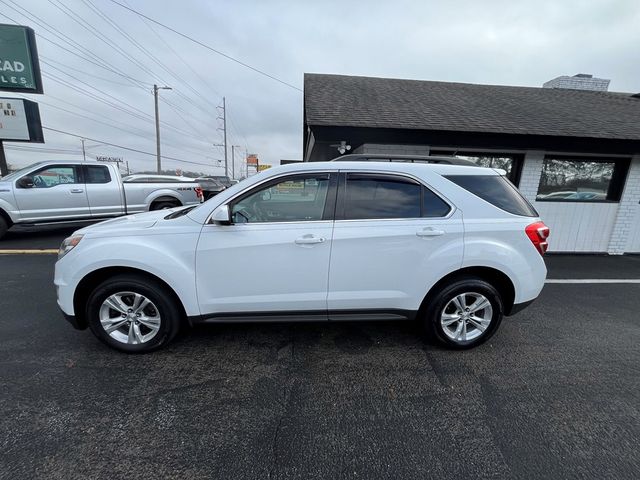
453,247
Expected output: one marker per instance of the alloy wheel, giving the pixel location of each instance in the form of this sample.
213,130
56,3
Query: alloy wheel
130,317
466,317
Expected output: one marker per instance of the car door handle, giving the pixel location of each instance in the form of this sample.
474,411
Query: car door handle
76,190
309,240
430,232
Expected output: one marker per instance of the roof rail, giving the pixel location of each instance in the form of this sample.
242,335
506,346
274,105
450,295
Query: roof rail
377,157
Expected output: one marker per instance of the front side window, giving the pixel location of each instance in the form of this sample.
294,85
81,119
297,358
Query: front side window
295,199
380,197
581,180
53,176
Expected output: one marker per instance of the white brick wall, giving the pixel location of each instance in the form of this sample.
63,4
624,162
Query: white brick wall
531,171
627,210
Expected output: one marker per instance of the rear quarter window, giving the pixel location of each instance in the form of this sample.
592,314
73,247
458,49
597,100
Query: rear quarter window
496,190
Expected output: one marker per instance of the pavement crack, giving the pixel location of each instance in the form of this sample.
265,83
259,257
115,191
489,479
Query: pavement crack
436,367
285,407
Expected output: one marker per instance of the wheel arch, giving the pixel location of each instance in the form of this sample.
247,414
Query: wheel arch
6,217
165,198
90,281
499,280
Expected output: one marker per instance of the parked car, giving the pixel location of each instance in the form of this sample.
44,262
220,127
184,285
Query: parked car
454,247
67,191
210,186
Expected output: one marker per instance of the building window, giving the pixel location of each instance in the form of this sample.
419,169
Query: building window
565,179
509,162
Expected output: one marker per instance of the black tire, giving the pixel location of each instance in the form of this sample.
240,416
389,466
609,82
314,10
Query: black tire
163,205
3,227
165,302
438,302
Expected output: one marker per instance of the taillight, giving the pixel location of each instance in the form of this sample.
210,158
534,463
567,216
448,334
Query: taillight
199,192
538,233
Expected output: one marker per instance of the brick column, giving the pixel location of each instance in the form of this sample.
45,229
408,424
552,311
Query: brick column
626,209
531,171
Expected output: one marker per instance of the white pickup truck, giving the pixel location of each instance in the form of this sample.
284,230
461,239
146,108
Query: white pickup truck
68,191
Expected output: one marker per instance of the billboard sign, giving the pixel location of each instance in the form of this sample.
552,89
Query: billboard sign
252,160
263,167
19,65
20,121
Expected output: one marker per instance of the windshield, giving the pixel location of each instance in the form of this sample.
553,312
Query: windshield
19,173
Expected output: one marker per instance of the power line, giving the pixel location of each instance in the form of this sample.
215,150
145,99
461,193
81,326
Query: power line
229,57
65,38
48,61
141,133
177,54
135,112
127,148
149,54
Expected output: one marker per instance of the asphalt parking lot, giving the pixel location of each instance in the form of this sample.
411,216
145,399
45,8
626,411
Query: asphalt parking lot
555,394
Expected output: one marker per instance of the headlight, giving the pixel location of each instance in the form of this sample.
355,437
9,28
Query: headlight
68,244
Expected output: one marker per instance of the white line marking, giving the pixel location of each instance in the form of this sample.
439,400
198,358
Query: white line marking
592,280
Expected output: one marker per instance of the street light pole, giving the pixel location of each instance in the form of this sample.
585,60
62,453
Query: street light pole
155,98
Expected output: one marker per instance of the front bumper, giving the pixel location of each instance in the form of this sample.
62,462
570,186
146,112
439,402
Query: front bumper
73,321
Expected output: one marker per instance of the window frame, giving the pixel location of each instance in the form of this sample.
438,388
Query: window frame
329,203
395,176
617,182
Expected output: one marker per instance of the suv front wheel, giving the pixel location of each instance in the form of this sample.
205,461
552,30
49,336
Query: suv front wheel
464,313
133,314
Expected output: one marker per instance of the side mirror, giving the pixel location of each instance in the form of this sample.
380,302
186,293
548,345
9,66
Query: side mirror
221,215
26,182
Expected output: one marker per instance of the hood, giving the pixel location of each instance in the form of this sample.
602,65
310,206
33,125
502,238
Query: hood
128,223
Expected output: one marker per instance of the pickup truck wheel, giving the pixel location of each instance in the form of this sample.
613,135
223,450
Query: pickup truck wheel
465,313
163,205
133,314
3,227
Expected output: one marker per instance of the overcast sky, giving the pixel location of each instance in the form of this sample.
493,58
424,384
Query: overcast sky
491,42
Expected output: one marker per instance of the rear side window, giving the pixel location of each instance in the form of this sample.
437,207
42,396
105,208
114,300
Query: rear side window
97,174
375,196
496,190
370,197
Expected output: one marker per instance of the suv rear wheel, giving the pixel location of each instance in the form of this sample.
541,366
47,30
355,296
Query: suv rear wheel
133,314
465,313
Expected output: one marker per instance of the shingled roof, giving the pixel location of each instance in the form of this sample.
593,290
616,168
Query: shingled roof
340,100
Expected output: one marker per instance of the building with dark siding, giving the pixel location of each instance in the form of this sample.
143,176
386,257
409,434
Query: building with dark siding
575,154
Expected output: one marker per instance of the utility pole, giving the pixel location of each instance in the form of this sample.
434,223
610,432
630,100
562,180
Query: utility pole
84,154
224,131
233,160
155,98
4,168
